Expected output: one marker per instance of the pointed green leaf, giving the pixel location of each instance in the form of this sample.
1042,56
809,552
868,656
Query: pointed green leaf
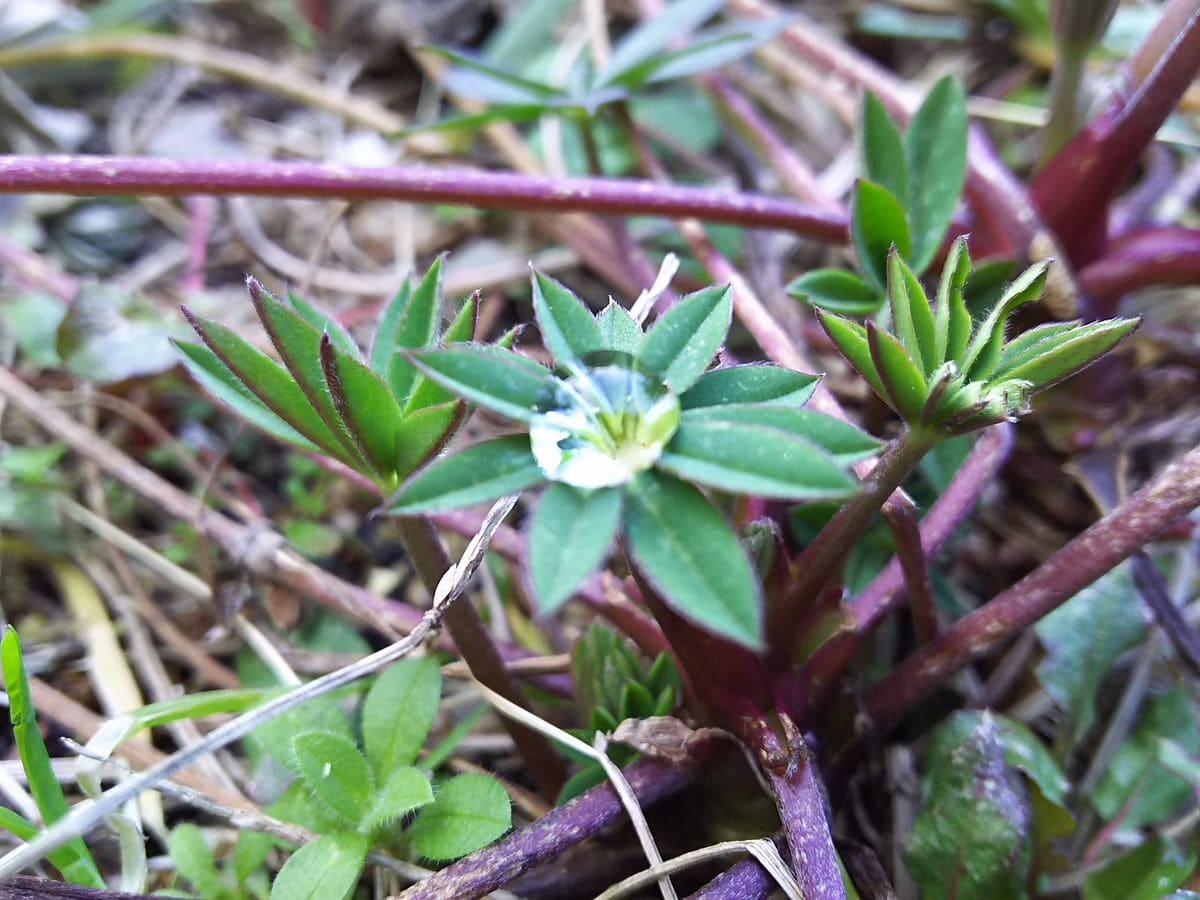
399,711
877,223
299,346
618,329
213,375
409,321
884,160
492,84
906,387
365,404
326,324
334,771
469,812
500,380
912,316
404,790
689,553
73,858
983,353
653,36
951,313
851,339
569,330
269,381
1033,343
709,49
841,440
423,433
426,393
74,869
480,473
194,861
837,291
751,383
748,457
936,148
569,538
462,329
325,869
1068,353
685,339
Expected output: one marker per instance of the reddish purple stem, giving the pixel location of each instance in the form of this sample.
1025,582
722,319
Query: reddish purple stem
1149,256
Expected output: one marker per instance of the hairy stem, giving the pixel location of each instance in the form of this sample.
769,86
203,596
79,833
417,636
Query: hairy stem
120,176
1121,533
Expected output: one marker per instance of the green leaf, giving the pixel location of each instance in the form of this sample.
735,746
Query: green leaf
693,558
837,291
269,381
568,329
423,433
462,328
619,330
214,376
365,404
971,838
952,321
194,862
1031,344
409,322
851,339
1153,870
569,538
250,853
491,84
936,149
884,160
513,113
753,383
905,383
325,324
983,353
749,457
404,790
877,223
685,339
326,869
469,812
1053,360
1082,640
653,36
477,474
335,772
500,380
709,49
912,316
399,711
73,858
841,440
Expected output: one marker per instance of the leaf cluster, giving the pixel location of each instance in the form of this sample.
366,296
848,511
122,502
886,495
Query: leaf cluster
739,429
373,412
946,374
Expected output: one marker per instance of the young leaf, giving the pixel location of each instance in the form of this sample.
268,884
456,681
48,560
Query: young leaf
250,854
470,812
194,862
423,433
685,339
405,789
477,474
748,457
837,291
904,381
462,328
268,380
877,224
618,329
213,375
839,439
73,858
568,329
752,383
651,37
500,380
936,148
983,353
325,324
1068,353
1032,343
335,772
884,160
851,339
399,711
569,538
409,322
326,869
692,557
912,316
708,50
365,404
951,315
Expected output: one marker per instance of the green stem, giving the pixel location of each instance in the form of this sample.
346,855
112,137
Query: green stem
431,561
822,559
1064,101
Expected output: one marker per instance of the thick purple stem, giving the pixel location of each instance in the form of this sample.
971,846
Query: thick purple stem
1143,258
115,175
801,805
1149,512
747,880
